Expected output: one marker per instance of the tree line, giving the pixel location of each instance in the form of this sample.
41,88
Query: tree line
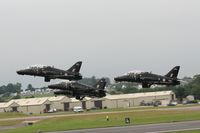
192,87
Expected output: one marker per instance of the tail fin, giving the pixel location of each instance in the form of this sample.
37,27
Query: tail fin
101,84
174,72
75,68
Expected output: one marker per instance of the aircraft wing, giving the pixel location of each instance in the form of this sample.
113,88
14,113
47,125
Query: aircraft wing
62,76
79,86
149,78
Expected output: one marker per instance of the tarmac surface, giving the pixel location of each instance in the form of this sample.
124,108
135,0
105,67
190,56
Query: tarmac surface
151,128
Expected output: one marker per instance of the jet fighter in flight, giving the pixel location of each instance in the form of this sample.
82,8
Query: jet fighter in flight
147,79
49,72
78,90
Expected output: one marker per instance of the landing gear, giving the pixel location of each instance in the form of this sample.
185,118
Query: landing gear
47,79
78,97
146,85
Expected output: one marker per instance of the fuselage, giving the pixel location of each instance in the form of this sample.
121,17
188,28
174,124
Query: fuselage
147,79
49,73
75,89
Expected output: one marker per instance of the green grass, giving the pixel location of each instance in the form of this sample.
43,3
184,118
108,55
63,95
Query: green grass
144,108
10,123
15,115
11,115
116,119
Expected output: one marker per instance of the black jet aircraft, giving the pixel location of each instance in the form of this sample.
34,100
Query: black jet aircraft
78,90
147,79
49,72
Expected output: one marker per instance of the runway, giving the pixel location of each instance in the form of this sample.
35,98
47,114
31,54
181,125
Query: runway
151,128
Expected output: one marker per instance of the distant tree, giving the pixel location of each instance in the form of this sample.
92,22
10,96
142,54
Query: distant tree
30,88
129,90
16,97
43,88
108,81
180,92
195,86
10,88
18,87
93,80
1,99
2,89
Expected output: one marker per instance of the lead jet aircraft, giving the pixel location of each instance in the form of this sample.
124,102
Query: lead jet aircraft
49,72
147,79
78,90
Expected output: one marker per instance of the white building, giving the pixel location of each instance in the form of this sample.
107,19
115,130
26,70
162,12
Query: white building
63,103
135,99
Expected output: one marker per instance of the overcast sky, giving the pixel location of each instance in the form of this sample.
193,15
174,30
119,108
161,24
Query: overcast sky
111,37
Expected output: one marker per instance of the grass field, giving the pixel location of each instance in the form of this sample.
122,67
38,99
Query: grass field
12,115
116,119
15,115
10,123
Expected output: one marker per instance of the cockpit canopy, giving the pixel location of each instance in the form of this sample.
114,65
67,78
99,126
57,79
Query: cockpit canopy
65,82
135,72
38,66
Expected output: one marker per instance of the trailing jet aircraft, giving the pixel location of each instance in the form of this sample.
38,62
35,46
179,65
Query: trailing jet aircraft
78,90
147,79
49,72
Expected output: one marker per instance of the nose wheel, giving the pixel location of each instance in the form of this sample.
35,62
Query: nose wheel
46,79
146,85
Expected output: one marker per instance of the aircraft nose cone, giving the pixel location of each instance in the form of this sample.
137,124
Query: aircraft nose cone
57,86
121,78
20,72
117,79
54,86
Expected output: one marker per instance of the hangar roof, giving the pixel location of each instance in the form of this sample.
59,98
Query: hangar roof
136,95
73,100
10,103
30,101
3,105
57,98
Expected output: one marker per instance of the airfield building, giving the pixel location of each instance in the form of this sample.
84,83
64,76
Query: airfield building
137,99
63,103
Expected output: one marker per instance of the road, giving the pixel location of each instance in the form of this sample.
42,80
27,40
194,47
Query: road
151,128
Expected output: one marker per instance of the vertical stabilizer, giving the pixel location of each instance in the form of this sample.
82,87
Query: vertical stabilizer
75,68
101,84
174,72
